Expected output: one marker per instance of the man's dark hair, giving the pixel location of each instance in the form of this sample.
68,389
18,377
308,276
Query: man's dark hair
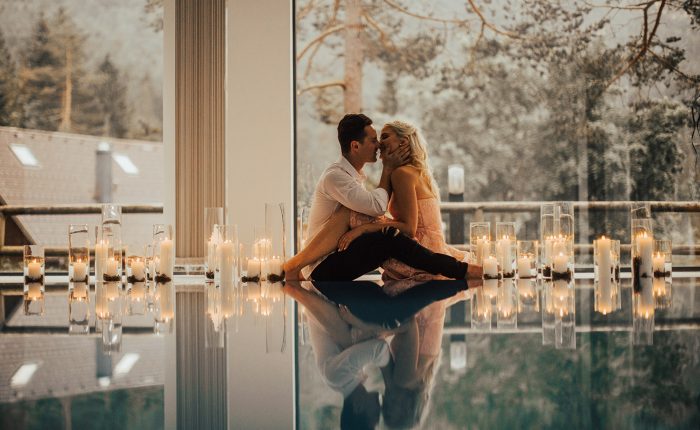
352,127
350,418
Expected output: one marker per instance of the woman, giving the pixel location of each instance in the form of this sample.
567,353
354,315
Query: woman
414,206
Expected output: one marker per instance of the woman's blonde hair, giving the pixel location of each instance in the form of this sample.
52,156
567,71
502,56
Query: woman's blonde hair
419,154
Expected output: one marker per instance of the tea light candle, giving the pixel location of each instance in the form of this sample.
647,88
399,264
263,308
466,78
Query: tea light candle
110,268
659,262
166,258
100,257
79,270
253,267
225,257
490,266
645,250
34,269
524,266
138,269
560,264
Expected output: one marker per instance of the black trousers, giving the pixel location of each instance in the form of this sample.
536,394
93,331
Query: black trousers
369,251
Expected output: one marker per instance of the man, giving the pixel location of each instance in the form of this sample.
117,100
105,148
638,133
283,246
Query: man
342,184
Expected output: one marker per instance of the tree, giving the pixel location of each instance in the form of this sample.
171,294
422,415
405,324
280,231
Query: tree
10,108
110,93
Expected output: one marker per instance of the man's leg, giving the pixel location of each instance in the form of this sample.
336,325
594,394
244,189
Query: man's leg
370,250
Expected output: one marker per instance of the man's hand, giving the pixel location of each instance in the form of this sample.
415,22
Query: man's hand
397,158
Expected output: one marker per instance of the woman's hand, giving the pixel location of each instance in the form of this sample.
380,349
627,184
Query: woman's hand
346,239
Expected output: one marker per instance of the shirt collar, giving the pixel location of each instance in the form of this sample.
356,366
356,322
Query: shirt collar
345,165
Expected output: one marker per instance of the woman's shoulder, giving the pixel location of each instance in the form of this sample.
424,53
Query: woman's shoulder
405,172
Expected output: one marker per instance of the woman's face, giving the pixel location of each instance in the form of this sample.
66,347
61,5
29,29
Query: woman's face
389,141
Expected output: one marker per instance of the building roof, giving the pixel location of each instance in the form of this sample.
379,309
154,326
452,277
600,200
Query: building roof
66,173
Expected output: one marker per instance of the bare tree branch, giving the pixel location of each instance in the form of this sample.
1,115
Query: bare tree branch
386,41
680,73
329,24
319,38
305,10
322,85
472,59
425,17
491,26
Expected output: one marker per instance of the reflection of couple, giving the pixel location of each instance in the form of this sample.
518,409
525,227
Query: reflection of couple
348,324
350,219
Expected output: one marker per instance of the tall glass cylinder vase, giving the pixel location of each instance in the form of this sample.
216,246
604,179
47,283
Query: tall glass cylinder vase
163,252
606,258
527,254
479,240
34,279
164,308
78,253
480,310
212,218
226,254
276,231
507,304
556,225
663,272
642,251
111,237
506,248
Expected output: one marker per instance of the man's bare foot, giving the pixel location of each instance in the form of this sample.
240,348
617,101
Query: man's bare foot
293,275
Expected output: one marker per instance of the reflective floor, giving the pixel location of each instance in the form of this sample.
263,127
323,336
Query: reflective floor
507,355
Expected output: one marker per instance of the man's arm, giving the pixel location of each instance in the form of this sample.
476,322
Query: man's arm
344,189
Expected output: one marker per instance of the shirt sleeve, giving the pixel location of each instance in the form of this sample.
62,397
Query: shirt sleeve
344,372
347,191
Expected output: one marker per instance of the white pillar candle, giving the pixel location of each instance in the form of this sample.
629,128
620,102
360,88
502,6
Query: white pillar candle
100,257
79,271
659,262
560,263
225,256
110,268
559,246
604,263
34,270
524,266
645,250
253,267
276,266
548,251
504,254
34,290
211,255
166,258
80,291
490,266
138,269
482,247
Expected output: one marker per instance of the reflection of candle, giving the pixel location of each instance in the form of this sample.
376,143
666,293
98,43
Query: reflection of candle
659,287
34,270
560,263
79,270
138,269
659,262
491,287
166,258
503,252
524,266
505,301
603,260
253,267
137,291
100,257
111,290
645,249
110,268
225,257
490,266
80,291
526,287
34,291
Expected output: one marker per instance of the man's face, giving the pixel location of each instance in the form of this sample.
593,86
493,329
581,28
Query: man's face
369,146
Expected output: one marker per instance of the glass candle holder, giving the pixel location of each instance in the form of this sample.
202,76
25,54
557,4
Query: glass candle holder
137,298
548,312
150,261
261,252
643,312
212,218
164,308
527,258
108,256
662,264
163,252
112,335
78,253
78,308
34,265
226,254
562,258
276,230
491,263
507,304
479,240
528,297
556,225
606,259
563,295
136,264
506,248
642,251
480,310
111,235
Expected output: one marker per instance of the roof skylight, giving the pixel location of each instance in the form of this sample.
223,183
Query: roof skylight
126,164
24,374
24,155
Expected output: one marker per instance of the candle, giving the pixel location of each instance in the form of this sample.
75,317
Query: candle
659,287
526,287
111,290
276,266
491,287
79,271
34,291
503,253
166,258
482,247
560,264
211,255
490,266
110,268
137,291
548,251
34,269
225,261
80,291
138,269
644,251
604,263
646,297
253,267
100,257
559,246
524,266
659,262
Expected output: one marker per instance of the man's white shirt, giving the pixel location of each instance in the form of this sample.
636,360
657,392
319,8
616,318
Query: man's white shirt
339,185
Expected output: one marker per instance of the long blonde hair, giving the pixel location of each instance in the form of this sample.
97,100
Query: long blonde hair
419,155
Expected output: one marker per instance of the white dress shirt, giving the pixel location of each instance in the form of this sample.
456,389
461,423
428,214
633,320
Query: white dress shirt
339,185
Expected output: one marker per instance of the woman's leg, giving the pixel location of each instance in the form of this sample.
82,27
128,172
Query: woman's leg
322,244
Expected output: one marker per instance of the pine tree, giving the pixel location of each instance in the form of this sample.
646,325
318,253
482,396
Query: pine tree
110,93
10,108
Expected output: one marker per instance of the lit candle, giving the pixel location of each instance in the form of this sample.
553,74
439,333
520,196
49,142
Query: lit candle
503,252
34,269
559,246
659,262
645,250
166,258
524,266
100,258
490,266
561,262
253,267
138,269
80,291
225,256
79,271
275,266
211,254
110,268
548,251
34,290
482,247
